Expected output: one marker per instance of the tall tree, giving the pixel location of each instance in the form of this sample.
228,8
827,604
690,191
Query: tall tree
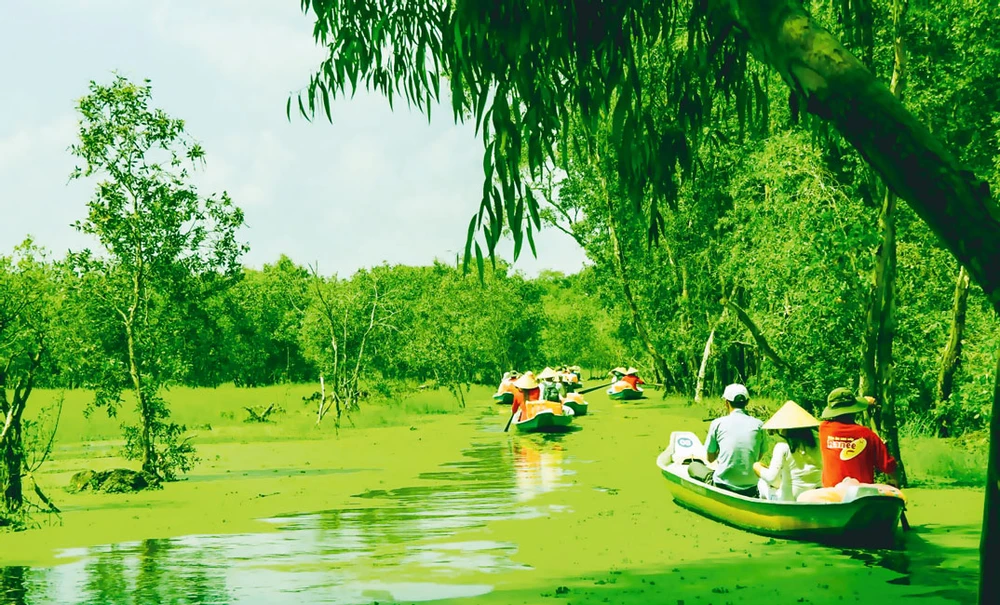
159,237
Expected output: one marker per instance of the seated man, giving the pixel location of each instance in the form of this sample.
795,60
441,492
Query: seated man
735,442
849,449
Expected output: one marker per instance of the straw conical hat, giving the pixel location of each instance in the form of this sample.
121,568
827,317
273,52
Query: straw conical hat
547,373
630,371
791,416
618,370
526,382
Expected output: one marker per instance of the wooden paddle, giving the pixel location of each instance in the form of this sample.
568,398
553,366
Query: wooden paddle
595,388
509,421
903,521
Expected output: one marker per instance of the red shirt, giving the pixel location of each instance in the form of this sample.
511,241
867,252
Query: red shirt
633,381
522,395
852,450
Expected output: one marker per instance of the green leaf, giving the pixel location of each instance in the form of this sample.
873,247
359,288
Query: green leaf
326,102
479,261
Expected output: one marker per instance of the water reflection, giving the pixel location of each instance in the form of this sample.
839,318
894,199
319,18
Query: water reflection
538,467
401,544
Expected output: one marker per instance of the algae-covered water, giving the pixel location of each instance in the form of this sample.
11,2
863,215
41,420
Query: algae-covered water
583,518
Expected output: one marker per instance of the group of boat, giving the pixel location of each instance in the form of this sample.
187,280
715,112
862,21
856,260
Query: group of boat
555,397
545,403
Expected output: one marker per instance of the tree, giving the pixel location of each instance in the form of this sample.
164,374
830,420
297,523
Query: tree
29,306
341,324
160,237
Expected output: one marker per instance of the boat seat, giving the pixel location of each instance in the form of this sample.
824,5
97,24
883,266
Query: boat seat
686,447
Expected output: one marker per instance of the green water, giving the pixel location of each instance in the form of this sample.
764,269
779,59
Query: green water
581,518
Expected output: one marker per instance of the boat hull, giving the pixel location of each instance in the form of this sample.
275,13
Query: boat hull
866,521
626,395
545,422
503,398
579,409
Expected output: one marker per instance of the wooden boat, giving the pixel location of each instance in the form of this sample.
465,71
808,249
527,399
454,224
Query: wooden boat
867,520
544,422
503,398
626,395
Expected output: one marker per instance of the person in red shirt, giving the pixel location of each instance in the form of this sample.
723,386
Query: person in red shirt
632,378
849,449
527,390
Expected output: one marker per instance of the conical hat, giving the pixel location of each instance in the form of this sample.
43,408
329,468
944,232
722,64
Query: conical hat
618,370
631,371
526,382
791,416
547,373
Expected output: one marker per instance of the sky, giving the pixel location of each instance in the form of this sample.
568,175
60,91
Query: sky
376,185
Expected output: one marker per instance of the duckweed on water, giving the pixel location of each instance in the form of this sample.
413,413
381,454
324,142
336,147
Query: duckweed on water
457,511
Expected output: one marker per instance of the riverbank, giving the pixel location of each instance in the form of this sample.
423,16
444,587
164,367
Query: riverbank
448,505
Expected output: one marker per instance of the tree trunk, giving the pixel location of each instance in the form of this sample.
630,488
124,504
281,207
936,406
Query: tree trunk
989,548
837,87
145,414
952,355
700,384
759,338
10,474
620,266
887,332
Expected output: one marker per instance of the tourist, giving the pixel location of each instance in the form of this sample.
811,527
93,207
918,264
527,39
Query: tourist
849,449
796,462
632,378
527,390
735,442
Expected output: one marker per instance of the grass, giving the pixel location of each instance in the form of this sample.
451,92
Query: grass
217,414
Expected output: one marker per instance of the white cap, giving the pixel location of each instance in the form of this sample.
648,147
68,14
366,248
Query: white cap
734,391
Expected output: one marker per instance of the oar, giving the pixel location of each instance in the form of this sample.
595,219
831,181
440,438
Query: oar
903,521
509,421
595,388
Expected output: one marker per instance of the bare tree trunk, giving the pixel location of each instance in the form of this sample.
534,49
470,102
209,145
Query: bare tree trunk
951,358
10,442
989,542
699,387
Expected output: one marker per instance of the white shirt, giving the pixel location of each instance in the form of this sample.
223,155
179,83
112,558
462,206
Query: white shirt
798,471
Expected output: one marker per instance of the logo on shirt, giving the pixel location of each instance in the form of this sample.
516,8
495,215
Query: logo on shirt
849,448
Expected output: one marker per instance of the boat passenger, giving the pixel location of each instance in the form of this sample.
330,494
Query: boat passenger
632,378
527,390
549,390
735,442
796,464
850,449
507,382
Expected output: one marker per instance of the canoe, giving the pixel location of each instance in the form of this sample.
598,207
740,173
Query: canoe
503,398
868,520
545,422
626,395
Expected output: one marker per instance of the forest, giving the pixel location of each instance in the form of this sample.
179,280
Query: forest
741,225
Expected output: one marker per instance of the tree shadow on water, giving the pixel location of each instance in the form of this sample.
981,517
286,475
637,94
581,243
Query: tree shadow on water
924,561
